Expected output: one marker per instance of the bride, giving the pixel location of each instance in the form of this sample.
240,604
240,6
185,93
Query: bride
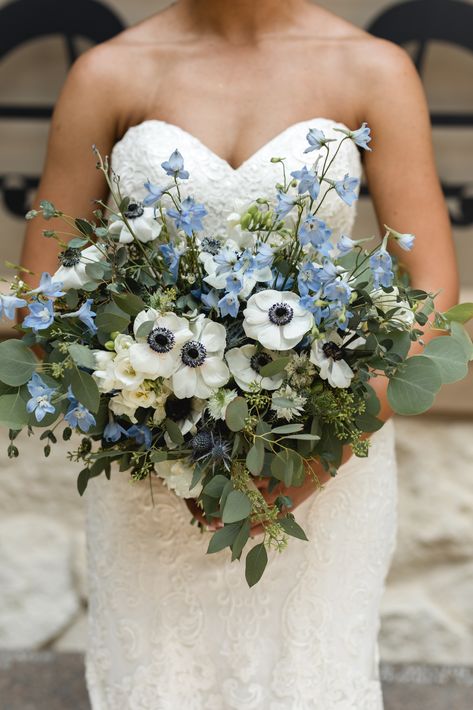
232,83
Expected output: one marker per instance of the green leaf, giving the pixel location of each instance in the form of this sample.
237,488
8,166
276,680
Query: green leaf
17,363
96,270
461,335
449,356
196,475
304,437
129,303
236,414
373,404
241,540
413,388
461,313
288,429
82,356
84,227
290,527
82,481
274,367
282,466
145,329
77,243
13,412
159,456
400,343
223,538
175,434
368,423
84,388
215,486
256,561
111,318
255,458
237,507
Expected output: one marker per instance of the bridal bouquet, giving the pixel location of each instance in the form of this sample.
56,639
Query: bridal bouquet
210,358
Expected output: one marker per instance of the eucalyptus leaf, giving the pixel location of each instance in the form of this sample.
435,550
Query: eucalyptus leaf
175,434
413,388
84,388
367,423
237,507
256,561
223,538
82,356
292,528
461,313
215,486
461,335
129,303
449,356
255,458
241,540
111,318
82,481
145,329
288,429
274,367
17,363
236,414
13,414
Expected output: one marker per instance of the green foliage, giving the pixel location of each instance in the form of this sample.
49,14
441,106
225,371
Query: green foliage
461,313
460,334
129,303
292,528
84,388
256,561
237,507
13,412
274,367
17,363
223,538
111,318
255,457
175,434
413,388
449,356
82,356
236,414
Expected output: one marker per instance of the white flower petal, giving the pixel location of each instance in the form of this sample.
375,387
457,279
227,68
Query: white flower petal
214,372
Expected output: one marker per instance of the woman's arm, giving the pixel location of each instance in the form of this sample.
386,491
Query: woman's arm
85,114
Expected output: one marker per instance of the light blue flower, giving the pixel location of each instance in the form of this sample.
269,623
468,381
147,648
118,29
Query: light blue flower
40,402
246,262
316,139
233,284
41,315
229,305
284,203
314,231
281,282
9,304
85,314
49,288
175,166
155,193
78,416
189,216
308,279
311,304
406,241
381,267
141,434
113,431
210,299
346,189
361,136
264,256
171,258
345,244
338,291
308,182
227,259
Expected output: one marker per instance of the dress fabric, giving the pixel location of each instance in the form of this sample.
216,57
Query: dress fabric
172,628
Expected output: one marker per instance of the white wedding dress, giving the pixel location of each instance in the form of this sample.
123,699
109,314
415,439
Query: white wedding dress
171,628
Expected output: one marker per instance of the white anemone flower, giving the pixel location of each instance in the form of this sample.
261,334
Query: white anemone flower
157,354
72,272
276,319
201,369
177,476
245,364
327,355
403,317
142,221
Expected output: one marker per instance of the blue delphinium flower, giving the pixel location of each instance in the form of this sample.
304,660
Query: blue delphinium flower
346,189
229,305
49,288
40,402
41,315
281,282
174,166
78,416
308,182
171,257
85,314
316,139
210,299
381,267
189,217
405,241
233,284
308,279
264,256
227,259
345,244
338,291
113,431
155,193
284,203
361,137
9,304
314,231
141,434
246,262
312,304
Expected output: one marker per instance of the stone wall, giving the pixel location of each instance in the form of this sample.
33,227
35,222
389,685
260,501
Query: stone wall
427,608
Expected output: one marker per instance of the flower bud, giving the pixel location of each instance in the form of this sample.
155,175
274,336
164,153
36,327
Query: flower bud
109,345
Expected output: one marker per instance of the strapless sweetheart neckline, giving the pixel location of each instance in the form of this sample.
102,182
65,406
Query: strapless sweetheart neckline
204,146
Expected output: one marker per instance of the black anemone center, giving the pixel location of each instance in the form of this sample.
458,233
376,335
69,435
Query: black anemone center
134,210
210,245
161,340
177,409
193,354
281,314
332,350
70,257
259,360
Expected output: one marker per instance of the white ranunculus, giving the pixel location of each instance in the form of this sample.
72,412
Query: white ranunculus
125,373
104,375
387,301
276,319
201,370
245,364
157,355
122,343
177,475
141,396
326,355
142,221
72,271
119,406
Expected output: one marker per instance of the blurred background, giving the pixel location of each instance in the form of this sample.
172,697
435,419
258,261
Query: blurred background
427,614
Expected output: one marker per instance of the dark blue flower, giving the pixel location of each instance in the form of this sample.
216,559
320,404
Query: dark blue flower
41,315
189,216
40,402
308,182
175,166
141,434
113,432
346,189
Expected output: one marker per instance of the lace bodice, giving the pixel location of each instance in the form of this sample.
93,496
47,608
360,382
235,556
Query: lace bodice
171,627
139,154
